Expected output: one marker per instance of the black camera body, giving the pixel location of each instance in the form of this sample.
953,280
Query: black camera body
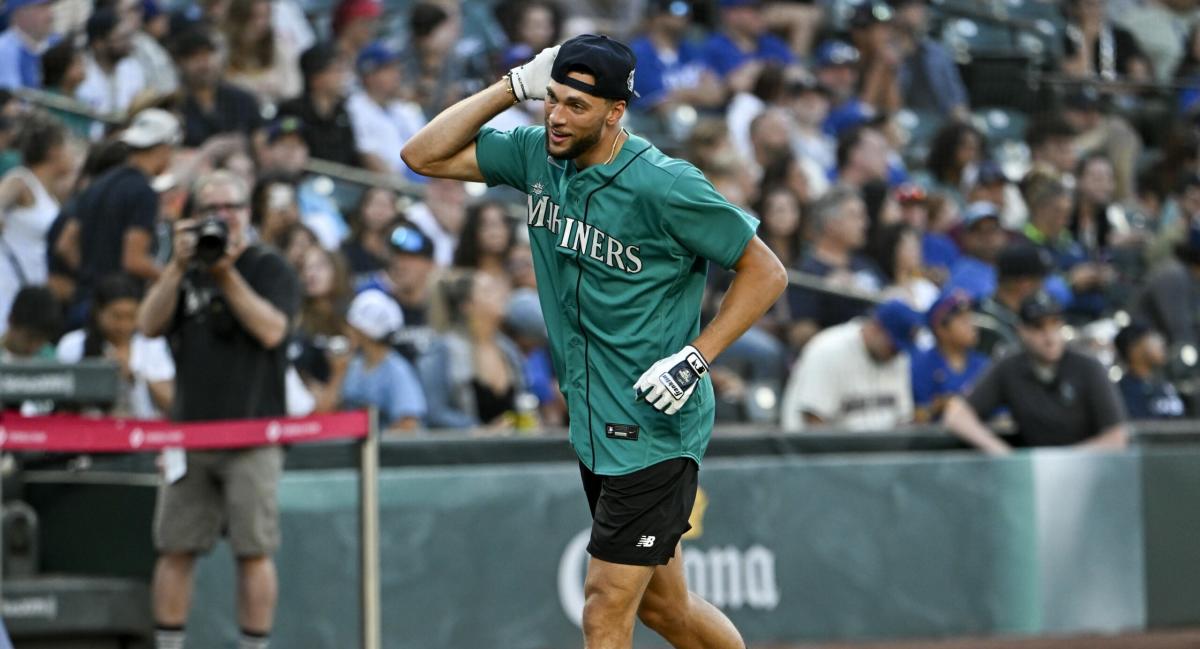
212,237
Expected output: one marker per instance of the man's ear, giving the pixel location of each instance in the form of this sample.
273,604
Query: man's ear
616,111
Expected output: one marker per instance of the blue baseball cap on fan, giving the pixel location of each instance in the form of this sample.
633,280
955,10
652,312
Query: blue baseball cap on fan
13,5
375,56
611,62
900,322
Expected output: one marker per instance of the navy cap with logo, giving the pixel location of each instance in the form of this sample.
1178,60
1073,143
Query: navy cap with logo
1039,306
610,62
407,239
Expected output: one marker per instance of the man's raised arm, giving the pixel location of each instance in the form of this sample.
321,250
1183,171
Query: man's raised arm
445,147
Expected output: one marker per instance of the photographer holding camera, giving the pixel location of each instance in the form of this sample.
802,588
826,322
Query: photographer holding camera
225,306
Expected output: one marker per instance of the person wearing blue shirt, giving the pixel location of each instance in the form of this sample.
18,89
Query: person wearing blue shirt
1147,395
982,240
1080,283
378,375
952,365
670,69
743,39
29,34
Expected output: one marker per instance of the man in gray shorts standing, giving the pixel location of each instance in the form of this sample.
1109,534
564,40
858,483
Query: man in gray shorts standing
225,311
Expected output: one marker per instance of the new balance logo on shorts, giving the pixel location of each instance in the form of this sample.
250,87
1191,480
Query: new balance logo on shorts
645,542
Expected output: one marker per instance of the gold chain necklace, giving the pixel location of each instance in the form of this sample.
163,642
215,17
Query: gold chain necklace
612,154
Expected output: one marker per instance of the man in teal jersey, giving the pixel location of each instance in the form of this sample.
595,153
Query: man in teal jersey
621,235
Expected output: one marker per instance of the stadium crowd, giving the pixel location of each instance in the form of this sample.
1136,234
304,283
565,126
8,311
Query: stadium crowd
954,186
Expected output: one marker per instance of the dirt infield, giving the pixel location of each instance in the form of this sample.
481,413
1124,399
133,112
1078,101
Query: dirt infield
1188,639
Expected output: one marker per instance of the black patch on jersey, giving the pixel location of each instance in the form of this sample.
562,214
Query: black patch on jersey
621,431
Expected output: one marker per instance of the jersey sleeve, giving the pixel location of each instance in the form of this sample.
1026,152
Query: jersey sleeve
503,156
704,223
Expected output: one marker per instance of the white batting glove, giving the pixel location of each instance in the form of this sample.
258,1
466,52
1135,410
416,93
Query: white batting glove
669,382
529,81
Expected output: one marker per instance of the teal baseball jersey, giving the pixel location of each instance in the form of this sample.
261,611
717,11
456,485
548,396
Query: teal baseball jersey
620,254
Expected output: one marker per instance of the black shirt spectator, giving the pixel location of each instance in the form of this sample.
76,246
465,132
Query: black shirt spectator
211,106
117,202
1068,407
1146,393
1056,396
322,107
207,341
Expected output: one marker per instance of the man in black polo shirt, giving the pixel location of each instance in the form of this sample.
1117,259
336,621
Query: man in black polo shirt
211,106
322,109
1021,269
1057,396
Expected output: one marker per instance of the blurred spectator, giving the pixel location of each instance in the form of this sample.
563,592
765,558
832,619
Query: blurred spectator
273,206
1104,134
862,156
383,121
487,237
838,228
872,389
377,375
227,320
157,67
438,71
524,323
530,25
928,76
1093,47
113,226
1097,223
770,137
211,106
366,250
1187,74
29,33
28,205
1049,227
897,251
286,153
1166,300
1051,149
810,105
62,72
145,369
1147,395
520,264
836,64
670,69
473,372
872,33
1057,396
738,50
354,24
407,279
951,366
322,110
295,242
781,229
1021,270
1160,27
259,61
441,216
320,349
981,239
112,77
34,322
953,162
938,251
800,176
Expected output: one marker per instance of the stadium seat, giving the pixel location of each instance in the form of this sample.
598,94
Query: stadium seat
921,126
1000,124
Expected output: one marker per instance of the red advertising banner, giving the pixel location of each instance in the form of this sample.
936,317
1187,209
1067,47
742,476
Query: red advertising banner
75,434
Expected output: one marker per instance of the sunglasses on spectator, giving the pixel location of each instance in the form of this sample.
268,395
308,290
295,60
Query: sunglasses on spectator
407,239
220,207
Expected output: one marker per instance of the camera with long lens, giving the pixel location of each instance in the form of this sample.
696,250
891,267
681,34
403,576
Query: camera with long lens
212,237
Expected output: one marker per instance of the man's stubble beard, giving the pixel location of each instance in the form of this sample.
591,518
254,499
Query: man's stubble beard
581,146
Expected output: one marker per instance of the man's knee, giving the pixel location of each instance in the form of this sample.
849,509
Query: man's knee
662,615
605,607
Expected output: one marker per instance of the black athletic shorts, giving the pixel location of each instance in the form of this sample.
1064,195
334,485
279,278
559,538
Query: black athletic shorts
638,518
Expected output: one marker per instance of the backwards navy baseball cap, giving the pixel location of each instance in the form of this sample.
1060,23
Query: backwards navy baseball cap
611,63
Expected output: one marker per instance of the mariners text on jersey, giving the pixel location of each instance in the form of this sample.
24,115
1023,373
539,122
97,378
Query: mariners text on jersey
581,237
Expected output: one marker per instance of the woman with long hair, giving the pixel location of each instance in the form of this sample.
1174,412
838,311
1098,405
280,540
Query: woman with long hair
29,205
366,249
486,239
259,63
273,206
953,156
146,370
896,249
319,349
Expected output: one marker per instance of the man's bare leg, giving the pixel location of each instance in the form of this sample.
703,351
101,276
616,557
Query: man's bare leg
611,594
683,618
